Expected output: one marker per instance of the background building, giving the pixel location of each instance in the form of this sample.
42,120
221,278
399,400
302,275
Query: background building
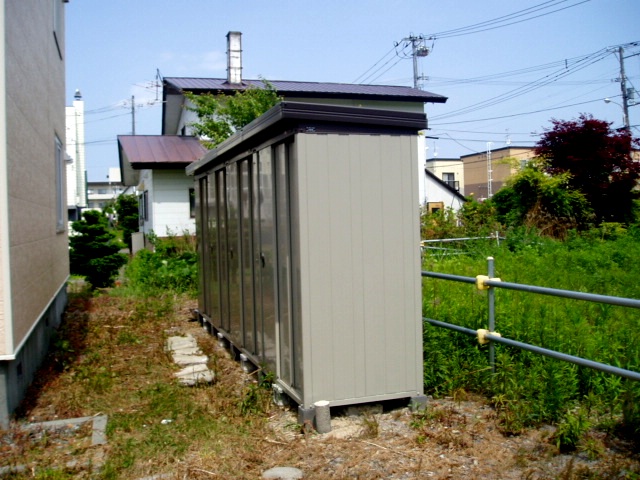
449,170
486,172
76,169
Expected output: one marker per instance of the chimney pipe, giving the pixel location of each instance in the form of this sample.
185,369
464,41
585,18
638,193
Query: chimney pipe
234,58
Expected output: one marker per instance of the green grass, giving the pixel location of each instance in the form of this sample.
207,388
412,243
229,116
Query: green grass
529,389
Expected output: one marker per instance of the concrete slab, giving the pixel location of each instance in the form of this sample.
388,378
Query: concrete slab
283,473
184,360
174,343
195,374
187,351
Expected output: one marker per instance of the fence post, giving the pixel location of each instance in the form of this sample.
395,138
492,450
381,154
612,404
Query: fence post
492,314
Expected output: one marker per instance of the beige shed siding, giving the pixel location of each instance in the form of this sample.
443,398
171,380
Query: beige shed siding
35,114
360,272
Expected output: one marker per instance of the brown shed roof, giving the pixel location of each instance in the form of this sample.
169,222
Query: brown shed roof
138,152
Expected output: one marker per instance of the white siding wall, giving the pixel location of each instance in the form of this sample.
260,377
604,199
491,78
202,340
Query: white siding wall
436,192
169,203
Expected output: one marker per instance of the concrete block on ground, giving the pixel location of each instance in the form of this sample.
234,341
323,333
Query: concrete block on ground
194,374
282,473
184,360
175,343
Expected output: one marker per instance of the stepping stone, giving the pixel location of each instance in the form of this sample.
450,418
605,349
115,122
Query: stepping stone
175,343
187,351
283,473
184,360
194,374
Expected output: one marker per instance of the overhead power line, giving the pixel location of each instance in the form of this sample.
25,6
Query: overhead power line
499,22
515,114
572,67
507,20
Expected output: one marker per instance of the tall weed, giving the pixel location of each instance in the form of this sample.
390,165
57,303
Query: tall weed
531,389
171,267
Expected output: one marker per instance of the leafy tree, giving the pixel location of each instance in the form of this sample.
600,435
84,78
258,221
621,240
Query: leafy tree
94,251
127,210
543,202
219,116
599,162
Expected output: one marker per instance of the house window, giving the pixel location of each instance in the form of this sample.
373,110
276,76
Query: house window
192,203
60,177
143,208
450,179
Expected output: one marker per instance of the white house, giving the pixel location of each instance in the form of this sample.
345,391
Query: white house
440,195
173,212
449,170
155,165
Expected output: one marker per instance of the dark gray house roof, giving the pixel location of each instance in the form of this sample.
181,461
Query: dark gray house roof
138,152
299,91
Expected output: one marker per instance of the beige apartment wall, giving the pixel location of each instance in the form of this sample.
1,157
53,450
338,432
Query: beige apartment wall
35,114
476,174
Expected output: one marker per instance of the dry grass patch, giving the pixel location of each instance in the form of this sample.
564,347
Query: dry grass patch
111,360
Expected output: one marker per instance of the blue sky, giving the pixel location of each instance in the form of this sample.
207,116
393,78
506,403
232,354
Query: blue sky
115,49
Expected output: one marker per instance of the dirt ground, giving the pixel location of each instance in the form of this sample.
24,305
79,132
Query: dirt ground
452,439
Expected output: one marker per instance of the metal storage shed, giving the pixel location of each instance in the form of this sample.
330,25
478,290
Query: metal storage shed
308,230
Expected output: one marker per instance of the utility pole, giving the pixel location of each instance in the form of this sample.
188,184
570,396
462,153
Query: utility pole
418,49
625,93
133,115
489,171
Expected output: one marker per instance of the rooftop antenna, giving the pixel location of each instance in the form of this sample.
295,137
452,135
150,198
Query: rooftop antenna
508,138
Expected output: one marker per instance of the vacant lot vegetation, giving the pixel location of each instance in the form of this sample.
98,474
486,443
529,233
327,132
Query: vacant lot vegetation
523,422
529,390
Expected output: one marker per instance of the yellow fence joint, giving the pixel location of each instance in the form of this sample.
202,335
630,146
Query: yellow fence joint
481,279
482,335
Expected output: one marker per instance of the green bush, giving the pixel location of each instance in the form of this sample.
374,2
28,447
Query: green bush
172,267
127,210
94,250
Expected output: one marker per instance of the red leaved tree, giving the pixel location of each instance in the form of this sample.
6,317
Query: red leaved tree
599,161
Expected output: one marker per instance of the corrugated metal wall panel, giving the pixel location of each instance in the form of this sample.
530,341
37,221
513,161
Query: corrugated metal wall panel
359,265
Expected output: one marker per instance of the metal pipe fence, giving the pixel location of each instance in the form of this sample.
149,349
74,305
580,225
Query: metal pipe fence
425,244
489,283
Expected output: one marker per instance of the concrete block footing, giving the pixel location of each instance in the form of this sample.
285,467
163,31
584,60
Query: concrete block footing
306,416
279,397
322,416
246,364
222,342
418,403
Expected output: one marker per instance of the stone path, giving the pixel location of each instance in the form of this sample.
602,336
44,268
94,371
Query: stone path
187,354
